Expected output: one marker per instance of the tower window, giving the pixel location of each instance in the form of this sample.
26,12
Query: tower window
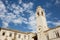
47,37
57,34
24,36
19,36
10,34
38,13
42,13
3,33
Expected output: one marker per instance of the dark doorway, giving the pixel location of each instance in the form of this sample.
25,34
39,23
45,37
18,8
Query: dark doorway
35,37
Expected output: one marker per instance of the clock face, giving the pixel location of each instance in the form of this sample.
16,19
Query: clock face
39,28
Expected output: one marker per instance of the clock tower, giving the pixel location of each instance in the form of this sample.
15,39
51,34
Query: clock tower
41,22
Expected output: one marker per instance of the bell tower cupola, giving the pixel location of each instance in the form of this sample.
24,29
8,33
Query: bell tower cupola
41,20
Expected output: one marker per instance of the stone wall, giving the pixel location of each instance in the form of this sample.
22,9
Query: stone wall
53,34
6,34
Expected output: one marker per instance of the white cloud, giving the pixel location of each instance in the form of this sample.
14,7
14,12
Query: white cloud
47,5
6,1
27,5
16,9
32,23
57,2
48,15
5,24
20,1
15,17
2,14
49,22
17,21
8,17
55,18
21,9
2,5
13,5
30,12
25,20
2,8
57,23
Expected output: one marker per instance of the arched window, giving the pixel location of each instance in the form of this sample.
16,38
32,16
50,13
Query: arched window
25,36
10,34
3,33
47,37
19,36
38,13
42,13
57,34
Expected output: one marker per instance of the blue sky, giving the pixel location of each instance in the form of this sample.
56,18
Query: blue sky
20,14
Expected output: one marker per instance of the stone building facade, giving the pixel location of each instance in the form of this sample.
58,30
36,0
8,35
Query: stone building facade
7,34
43,32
